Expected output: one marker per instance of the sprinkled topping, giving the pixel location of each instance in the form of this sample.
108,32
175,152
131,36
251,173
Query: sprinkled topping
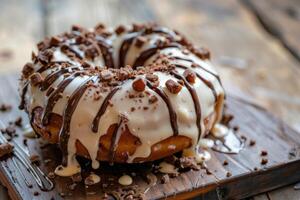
106,75
190,76
120,29
55,41
36,79
27,70
173,86
139,85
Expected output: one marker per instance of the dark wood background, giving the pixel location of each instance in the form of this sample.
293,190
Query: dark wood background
255,44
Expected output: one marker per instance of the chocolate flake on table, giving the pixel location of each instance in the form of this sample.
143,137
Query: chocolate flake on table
10,130
263,153
228,174
252,142
5,107
264,161
5,149
18,121
225,162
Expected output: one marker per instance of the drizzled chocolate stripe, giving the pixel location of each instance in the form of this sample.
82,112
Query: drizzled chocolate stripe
52,63
189,60
115,140
205,81
51,78
64,133
145,55
128,41
23,93
56,95
172,113
102,109
75,51
195,100
125,47
106,51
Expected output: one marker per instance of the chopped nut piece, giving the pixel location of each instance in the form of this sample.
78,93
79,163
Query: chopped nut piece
225,162
173,86
139,85
228,174
36,79
27,70
120,29
252,142
190,76
264,153
264,161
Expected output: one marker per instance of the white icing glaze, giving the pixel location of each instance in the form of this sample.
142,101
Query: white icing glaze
167,168
125,180
92,179
219,131
151,125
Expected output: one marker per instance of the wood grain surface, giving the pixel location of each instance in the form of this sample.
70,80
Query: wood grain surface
252,62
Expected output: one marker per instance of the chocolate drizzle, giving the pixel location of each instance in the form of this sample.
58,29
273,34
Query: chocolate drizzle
125,47
195,100
56,95
172,113
106,50
23,93
102,109
64,133
50,79
205,81
189,60
145,55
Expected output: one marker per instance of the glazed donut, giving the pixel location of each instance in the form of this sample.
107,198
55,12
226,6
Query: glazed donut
133,94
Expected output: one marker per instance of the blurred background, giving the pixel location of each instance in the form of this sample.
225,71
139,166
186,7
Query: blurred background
254,44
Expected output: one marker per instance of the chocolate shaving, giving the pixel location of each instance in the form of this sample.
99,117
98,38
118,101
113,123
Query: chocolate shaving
120,29
5,107
36,79
27,70
5,149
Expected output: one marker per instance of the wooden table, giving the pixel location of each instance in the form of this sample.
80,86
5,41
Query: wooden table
255,44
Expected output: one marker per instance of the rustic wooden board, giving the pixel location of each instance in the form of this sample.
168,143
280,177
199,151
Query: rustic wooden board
262,69
281,19
255,123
